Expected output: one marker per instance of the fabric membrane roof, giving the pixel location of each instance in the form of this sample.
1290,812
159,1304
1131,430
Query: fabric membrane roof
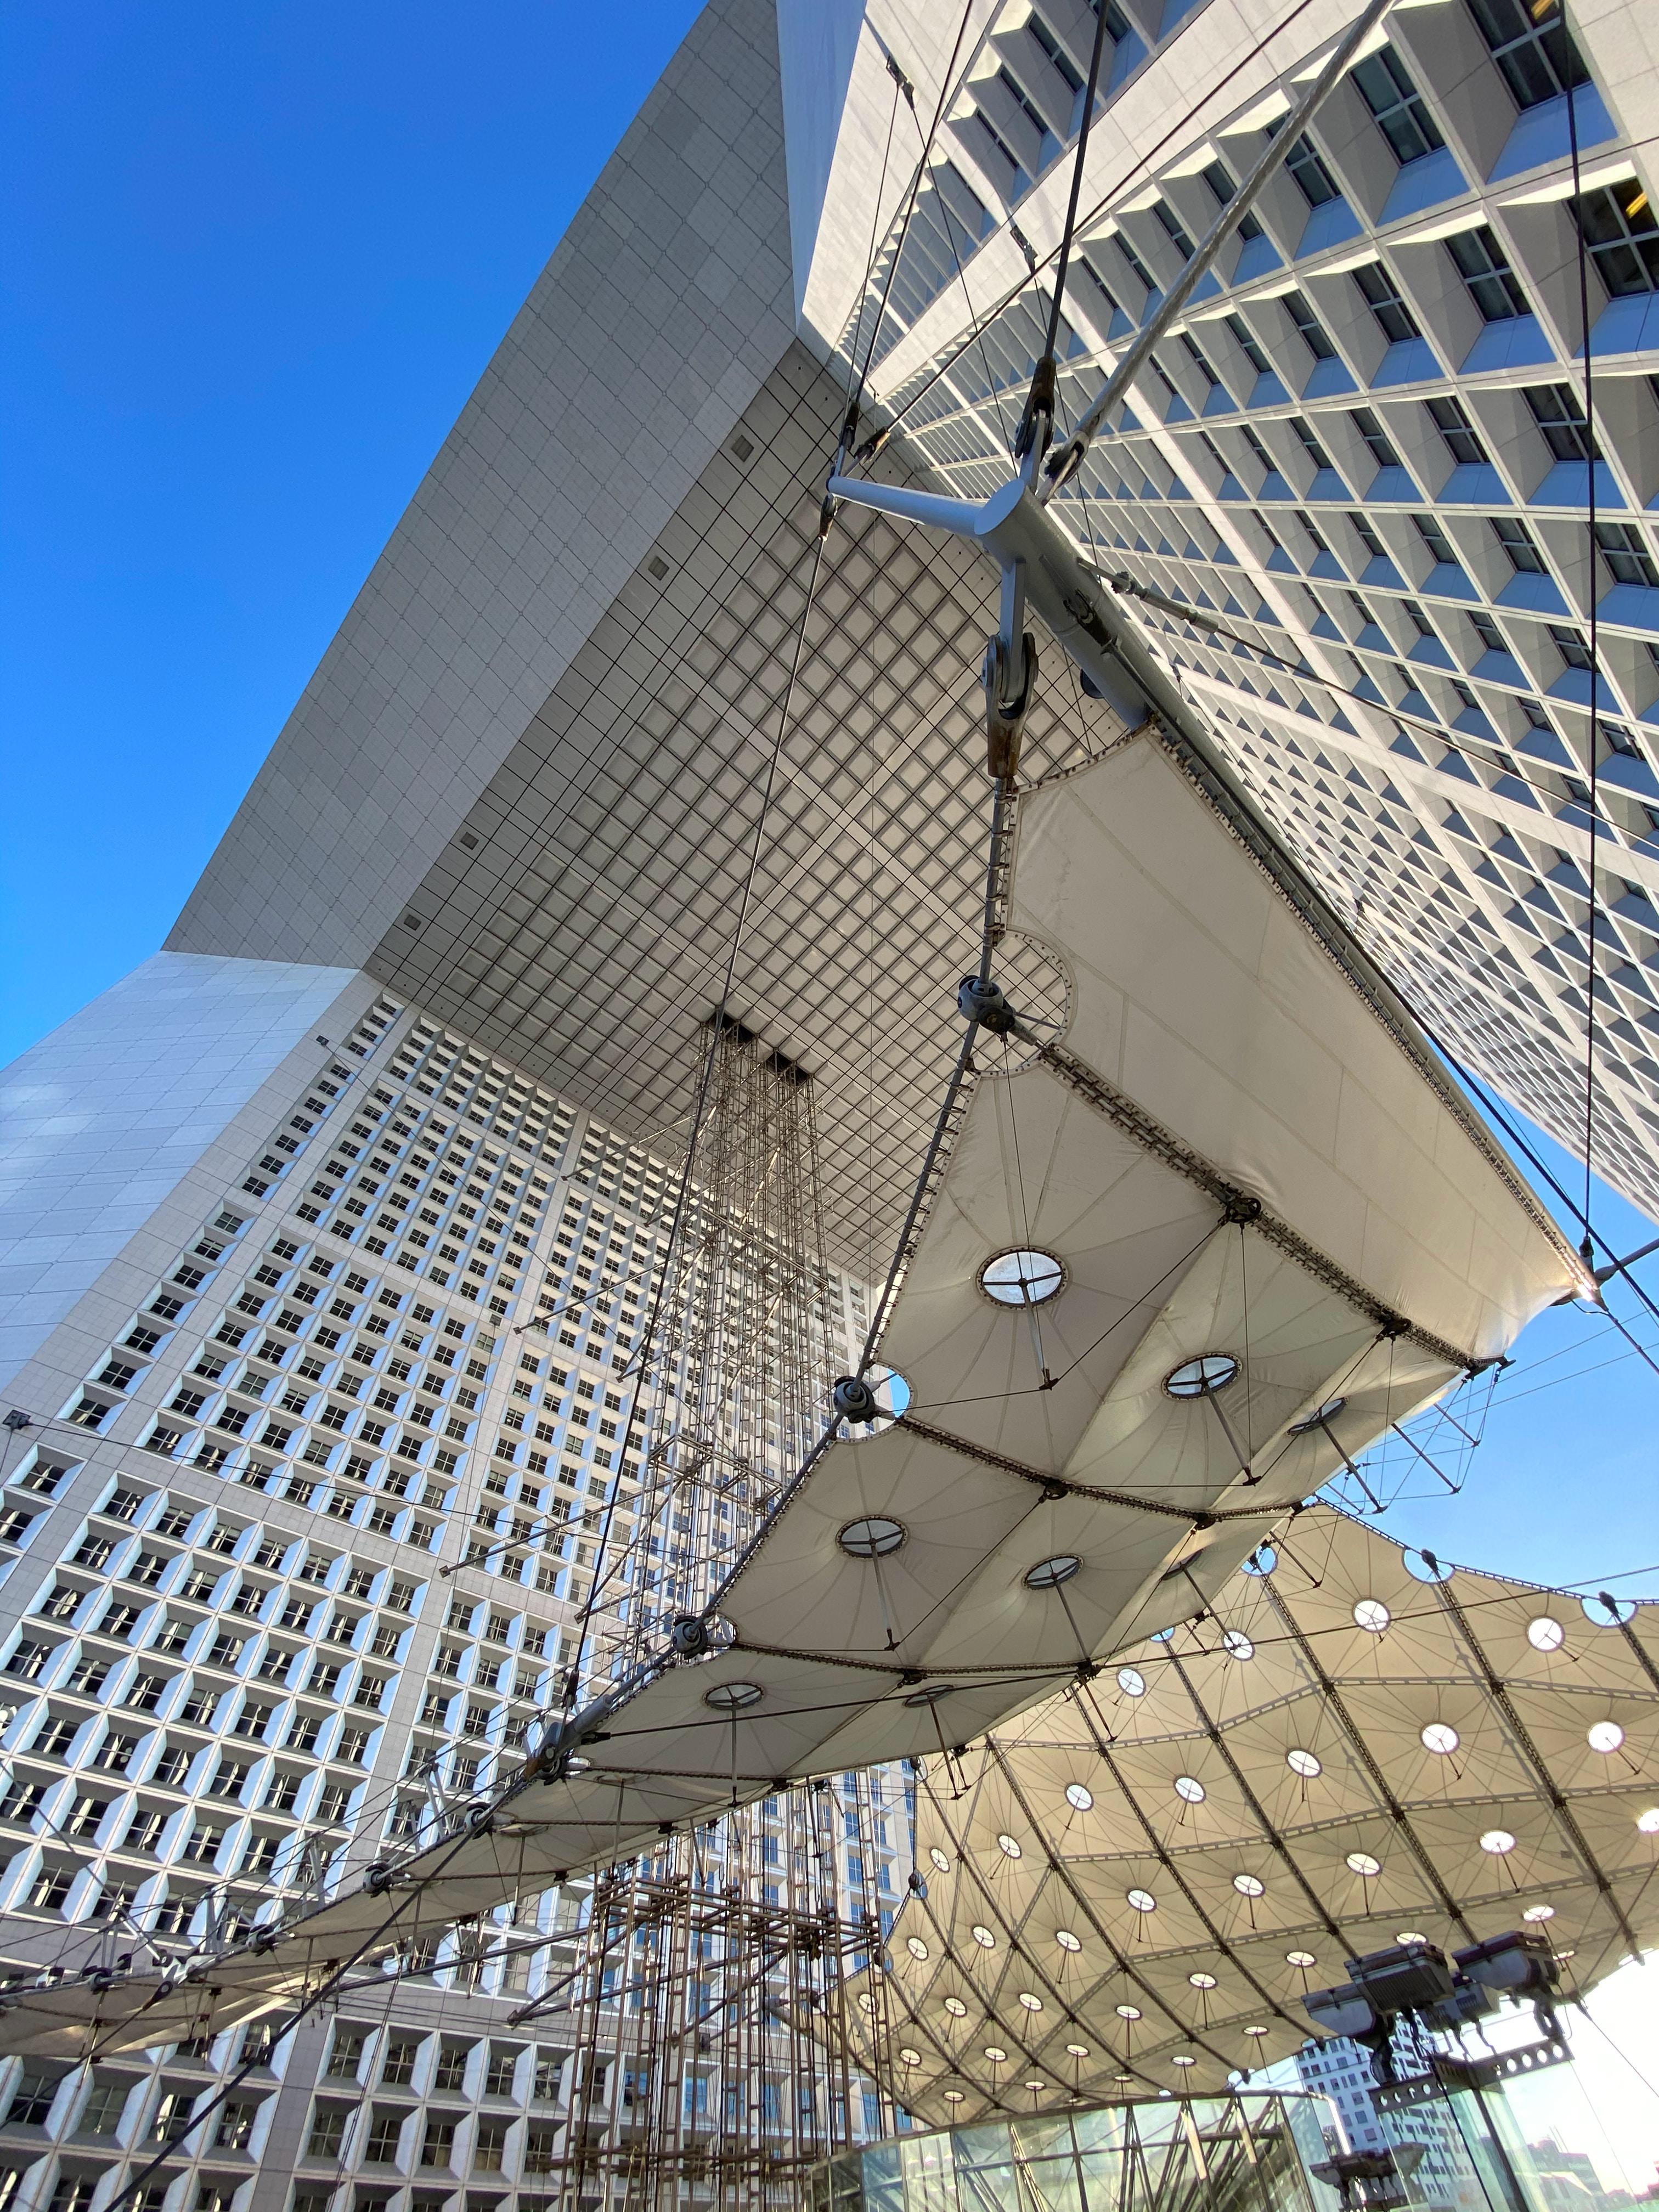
1134,1888
1230,1156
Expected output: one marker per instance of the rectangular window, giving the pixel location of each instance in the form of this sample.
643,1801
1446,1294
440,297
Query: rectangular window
1458,434
1308,443
1174,229
1247,345
1487,276
1374,437
1368,537
1313,178
1559,416
1219,178
1532,47
1309,326
437,2143
1618,224
1487,631
1434,539
1381,295
1574,653
1516,541
1625,552
1386,87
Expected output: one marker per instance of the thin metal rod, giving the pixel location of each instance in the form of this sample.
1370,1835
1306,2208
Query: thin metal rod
1066,460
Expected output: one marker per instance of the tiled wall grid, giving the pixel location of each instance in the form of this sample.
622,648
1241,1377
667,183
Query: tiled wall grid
231,1667
1365,448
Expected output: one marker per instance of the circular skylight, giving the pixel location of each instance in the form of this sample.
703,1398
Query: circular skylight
1261,1561
941,1859
1304,1762
1066,1941
916,1947
1132,1681
956,2008
1079,1796
1301,1959
1410,1935
1030,2000
1237,1646
953,2097
1077,2051
1538,1913
908,2057
1605,1736
1189,1789
1544,1634
1327,1411
1201,1377
1497,1842
1255,2031
1182,2059
1049,1574
1142,1901
1362,1862
1648,1822
1372,1615
1441,1738
733,1697
996,2054
1009,1846
1128,2012
1250,1885
1427,1567
983,1937
1023,1277
1201,1981
871,1538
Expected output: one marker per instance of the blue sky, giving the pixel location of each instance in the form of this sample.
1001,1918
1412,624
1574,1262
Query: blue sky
258,259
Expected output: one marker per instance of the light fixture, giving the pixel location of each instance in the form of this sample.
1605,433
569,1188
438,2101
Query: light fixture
1201,1377
1372,1615
871,1538
1132,1681
1023,1277
733,1697
1545,1634
1648,1823
1079,1796
1049,1574
1441,1738
1307,1764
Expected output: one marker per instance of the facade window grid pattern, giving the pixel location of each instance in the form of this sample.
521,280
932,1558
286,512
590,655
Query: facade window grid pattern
1462,494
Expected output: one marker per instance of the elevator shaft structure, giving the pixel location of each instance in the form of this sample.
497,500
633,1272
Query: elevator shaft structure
704,2012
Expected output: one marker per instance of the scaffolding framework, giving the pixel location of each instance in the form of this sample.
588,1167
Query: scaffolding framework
704,2012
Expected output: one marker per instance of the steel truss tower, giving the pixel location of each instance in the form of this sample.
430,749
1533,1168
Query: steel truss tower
704,2008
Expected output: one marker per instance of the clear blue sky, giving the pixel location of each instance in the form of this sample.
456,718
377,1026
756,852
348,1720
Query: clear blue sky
258,258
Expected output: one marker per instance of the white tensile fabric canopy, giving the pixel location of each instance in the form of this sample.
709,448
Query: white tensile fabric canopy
1235,1155
1135,1887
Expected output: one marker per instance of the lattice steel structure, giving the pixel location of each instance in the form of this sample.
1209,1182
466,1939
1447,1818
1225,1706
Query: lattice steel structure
706,2001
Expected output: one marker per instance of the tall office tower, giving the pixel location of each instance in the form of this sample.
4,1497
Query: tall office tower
280,1206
